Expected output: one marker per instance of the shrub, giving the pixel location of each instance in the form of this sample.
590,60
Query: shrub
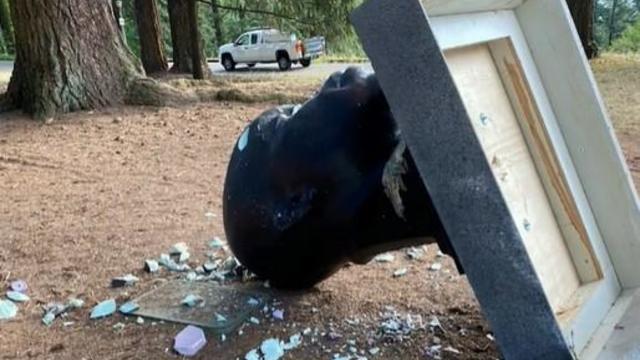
629,41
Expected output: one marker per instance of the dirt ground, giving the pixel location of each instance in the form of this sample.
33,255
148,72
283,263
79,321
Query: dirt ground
92,195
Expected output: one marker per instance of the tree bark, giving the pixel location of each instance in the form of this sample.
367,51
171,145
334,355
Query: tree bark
151,46
196,50
181,37
7,26
68,57
582,12
612,21
217,24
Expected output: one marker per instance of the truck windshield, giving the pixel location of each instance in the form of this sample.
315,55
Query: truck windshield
243,40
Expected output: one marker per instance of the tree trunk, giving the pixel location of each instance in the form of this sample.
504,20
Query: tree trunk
217,24
582,12
68,57
181,37
196,50
151,46
6,26
612,21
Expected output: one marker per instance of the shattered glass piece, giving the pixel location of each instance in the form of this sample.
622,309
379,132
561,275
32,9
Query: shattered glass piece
216,243
178,249
192,300
415,253
252,355
165,260
374,351
140,320
452,350
209,267
253,302
272,349
19,286
230,264
184,256
8,310
435,322
17,296
163,302
294,342
48,318
128,307
221,318
104,309
171,265
118,326
278,314
55,308
151,266
189,341
400,273
74,303
435,267
122,281
191,276
254,320
384,258
433,351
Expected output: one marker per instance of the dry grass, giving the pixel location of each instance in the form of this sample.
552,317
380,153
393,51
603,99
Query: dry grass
250,90
331,59
619,80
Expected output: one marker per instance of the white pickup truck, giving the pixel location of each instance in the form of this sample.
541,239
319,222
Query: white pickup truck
270,46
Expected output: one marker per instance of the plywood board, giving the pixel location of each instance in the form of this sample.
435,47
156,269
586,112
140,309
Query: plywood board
547,161
498,130
436,126
589,136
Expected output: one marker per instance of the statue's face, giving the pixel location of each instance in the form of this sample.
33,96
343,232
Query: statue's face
303,193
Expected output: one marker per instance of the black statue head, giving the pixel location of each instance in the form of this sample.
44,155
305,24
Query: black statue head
312,187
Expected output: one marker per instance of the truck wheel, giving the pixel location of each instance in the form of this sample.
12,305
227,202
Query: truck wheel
305,62
228,63
283,62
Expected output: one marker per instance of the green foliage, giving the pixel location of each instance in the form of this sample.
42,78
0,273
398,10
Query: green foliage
3,46
627,12
328,18
6,27
629,41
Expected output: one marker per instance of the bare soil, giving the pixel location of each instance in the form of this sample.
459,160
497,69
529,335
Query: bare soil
92,195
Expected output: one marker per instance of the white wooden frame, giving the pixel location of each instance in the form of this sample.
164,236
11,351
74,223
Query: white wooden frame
560,79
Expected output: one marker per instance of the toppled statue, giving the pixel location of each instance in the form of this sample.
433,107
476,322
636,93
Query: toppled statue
312,187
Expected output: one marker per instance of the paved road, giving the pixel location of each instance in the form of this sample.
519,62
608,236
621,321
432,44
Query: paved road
315,70
6,66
